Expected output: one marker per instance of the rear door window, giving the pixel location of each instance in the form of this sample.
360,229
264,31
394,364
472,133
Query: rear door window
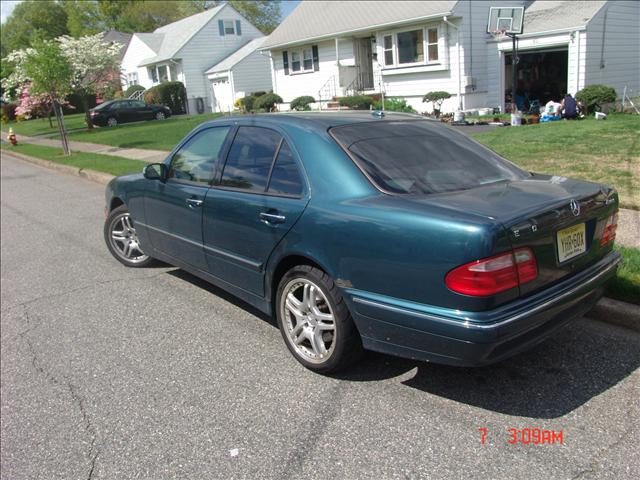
285,176
419,157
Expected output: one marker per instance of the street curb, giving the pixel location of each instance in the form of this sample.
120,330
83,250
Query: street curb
93,175
619,313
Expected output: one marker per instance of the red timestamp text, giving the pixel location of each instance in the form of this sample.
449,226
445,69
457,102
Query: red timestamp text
527,436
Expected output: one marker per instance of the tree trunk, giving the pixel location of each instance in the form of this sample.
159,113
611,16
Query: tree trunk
49,115
61,127
87,116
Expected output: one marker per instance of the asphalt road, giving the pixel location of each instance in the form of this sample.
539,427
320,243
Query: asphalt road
115,373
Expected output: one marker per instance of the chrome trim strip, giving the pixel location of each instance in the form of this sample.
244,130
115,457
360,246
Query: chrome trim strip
477,326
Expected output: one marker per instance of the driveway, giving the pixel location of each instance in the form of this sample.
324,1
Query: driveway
117,373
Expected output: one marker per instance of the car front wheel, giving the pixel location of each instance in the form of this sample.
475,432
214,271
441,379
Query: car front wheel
160,116
315,322
122,240
112,122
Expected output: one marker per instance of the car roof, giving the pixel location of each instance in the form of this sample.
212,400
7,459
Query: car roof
324,120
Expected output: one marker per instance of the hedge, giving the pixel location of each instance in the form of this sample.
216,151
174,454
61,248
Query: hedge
594,96
356,102
171,94
267,102
302,103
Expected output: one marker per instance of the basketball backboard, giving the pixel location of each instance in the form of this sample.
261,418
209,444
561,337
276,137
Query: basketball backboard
505,20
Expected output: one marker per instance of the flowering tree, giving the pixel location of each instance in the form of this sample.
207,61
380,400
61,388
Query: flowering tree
36,105
94,64
48,71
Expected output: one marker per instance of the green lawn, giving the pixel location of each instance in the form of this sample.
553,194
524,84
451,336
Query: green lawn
92,161
153,134
626,286
40,126
601,151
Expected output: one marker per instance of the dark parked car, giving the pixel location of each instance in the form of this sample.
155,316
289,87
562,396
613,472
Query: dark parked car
393,233
113,112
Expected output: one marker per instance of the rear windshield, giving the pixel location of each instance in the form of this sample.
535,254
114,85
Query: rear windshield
105,105
420,157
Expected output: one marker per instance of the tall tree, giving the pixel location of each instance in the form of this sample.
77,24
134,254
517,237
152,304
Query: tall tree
264,14
30,20
83,17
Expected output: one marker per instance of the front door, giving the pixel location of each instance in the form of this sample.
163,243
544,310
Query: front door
260,196
364,62
173,209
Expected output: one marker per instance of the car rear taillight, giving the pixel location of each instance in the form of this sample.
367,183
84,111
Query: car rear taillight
494,274
609,233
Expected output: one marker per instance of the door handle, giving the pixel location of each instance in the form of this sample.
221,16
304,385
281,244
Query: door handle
272,217
194,202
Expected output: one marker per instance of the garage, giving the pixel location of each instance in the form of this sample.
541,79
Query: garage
222,96
542,76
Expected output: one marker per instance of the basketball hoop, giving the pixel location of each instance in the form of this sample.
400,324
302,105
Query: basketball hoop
498,33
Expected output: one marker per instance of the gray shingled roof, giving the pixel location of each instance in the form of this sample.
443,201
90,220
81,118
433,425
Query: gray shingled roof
168,40
118,37
237,56
313,20
545,16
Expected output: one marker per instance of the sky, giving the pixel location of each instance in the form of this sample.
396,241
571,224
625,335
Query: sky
6,7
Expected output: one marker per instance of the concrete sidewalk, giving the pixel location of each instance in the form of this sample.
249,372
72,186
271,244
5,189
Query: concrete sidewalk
149,156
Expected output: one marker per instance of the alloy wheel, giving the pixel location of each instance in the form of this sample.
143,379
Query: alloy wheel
112,122
124,239
308,320
159,116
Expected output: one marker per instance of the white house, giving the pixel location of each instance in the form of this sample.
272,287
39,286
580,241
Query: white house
406,49
238,75
186,49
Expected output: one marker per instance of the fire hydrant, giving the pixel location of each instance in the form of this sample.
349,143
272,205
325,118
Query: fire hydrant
12,137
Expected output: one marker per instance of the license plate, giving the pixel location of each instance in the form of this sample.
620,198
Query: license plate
571,242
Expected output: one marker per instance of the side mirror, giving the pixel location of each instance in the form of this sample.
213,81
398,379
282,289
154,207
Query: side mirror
155,171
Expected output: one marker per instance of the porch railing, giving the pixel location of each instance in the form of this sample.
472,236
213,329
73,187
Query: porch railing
327,91
137,95
365,81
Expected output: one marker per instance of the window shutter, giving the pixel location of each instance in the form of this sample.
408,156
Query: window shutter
221,27
285,62
238,29
316,61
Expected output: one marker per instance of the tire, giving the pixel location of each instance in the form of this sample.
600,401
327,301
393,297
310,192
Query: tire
112,122
321,335
122,241
160,116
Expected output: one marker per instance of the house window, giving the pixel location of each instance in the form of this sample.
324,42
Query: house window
302,60
432,44
410,47
387,47
132,78
229,28
419,46
163,73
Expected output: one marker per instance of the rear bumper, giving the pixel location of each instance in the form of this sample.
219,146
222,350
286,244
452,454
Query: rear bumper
454,337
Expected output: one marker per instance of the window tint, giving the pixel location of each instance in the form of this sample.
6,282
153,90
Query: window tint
420,158
285,178
194,162
250,159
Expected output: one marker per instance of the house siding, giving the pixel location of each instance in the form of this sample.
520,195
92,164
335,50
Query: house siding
295,85
251,74
205,49
621,54
136,52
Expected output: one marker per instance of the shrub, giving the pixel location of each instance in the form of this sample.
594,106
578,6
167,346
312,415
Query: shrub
302,103
171,94
132,89
436,98
393,105
356,102
258,94
594,96
246,103
267,102
8,112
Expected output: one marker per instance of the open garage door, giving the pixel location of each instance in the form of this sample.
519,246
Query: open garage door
542,76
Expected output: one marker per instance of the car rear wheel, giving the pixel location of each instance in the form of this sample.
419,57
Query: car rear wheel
315,322
160,116
112,122
122,240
